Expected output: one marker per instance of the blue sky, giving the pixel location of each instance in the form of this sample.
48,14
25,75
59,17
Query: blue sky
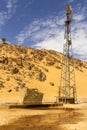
40,24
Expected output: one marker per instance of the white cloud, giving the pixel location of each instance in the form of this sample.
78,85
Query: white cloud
49,34
79,17
11,6
71,1
40,30
5,15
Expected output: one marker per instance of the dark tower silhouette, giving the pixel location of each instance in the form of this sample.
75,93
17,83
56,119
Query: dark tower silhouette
67,88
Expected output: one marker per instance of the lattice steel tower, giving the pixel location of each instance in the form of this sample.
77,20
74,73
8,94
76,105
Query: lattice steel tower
67,88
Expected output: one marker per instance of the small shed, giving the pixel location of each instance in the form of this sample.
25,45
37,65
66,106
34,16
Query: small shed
31,96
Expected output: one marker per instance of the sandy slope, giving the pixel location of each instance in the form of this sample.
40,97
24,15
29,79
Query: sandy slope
30,62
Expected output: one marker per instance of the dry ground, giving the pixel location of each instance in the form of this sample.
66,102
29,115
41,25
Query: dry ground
73,117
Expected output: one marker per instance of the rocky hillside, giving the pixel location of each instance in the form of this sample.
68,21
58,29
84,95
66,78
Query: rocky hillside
26,67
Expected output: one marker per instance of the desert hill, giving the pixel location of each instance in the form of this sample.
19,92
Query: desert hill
27,67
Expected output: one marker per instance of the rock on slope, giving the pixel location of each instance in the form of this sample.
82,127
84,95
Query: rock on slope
26,67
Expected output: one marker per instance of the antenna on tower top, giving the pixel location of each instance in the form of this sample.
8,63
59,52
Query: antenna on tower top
69,12
68,9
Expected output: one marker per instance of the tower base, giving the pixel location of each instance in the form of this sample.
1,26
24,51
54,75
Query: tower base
67,100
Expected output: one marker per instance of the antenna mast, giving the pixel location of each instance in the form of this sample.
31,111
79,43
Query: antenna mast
67,88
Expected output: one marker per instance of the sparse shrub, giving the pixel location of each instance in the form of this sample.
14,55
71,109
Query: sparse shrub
16,88
15,71
3,40
49,62
41,76
51,83
58,67
4,60
10,90
22,85
30,66
1,84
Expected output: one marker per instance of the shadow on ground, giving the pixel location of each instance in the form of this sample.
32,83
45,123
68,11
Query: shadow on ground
45,122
